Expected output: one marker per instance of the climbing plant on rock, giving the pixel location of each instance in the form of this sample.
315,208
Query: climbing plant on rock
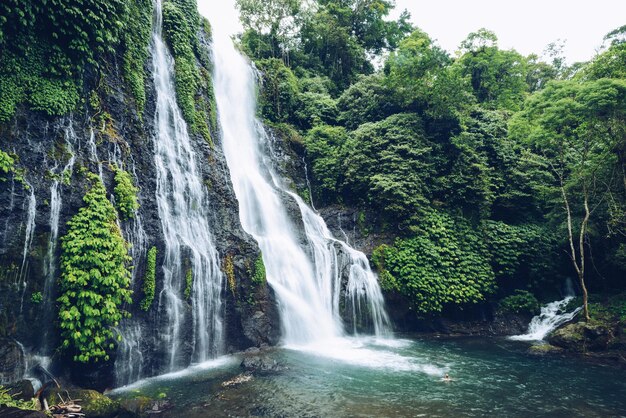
95,279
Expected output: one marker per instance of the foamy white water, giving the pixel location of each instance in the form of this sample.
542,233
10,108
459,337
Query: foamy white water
551,317
182,205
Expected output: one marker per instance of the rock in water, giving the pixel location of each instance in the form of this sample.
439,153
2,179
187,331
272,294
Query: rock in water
94,404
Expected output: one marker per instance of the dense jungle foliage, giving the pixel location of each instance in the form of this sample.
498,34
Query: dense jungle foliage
498,174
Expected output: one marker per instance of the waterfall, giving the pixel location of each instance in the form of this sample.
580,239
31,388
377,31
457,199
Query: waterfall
551,317
303,261
61,177
182,205
28,240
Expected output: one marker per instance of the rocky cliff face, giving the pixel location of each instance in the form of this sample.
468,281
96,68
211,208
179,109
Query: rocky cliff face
53,156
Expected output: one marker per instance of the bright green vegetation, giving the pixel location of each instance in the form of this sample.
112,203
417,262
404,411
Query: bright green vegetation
6,164
179,30
95,279
259,271
181,25
521,301
136,39
45,50
36,298
6,400
149,280
125,194
446,262
517,162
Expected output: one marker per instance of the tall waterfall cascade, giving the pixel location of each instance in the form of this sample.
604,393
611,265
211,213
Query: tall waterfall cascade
304,263
182,206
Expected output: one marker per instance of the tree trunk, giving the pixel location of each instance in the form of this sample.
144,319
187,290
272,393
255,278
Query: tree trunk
578,266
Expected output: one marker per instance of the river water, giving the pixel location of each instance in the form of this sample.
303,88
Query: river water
397,378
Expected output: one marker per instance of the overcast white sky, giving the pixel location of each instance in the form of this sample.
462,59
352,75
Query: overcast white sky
526,25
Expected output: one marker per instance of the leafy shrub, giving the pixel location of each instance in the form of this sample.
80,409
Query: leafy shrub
445,263
125,194
36,298
391,166
6,163
520,302
279,90
94,279
325,154
259,270
314,109
149,280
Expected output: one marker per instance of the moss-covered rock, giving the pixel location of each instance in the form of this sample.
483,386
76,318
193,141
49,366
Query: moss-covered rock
544,349
583,336
95,404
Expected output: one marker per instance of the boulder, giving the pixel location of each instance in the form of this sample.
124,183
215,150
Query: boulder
10,412
257,360
22,390
582,337
95,404
12,362
544,349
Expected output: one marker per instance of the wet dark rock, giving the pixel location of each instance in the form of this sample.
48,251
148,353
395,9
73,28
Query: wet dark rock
544,350
582,337
260,361
10,412
22,390
12,362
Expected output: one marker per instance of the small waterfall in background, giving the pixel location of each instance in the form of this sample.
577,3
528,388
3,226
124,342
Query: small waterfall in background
29,233
61,176
182,206
551,317
304,262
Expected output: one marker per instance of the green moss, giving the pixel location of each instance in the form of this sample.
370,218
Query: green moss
149,280
125,194
445,263
188,282
177,33
259,275
95,280
229,270
136,41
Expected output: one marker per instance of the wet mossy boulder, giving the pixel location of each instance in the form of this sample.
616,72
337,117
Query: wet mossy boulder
95,404
583,336
544,350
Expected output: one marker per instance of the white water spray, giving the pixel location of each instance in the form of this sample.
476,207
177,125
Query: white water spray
551,317
28,240
182,205
305,270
